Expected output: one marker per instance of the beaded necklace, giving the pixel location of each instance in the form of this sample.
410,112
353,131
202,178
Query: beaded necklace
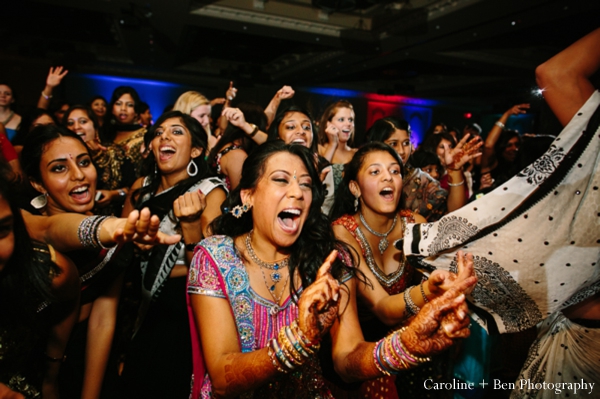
275,274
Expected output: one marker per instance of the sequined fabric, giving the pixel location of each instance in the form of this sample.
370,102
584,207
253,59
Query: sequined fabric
216,261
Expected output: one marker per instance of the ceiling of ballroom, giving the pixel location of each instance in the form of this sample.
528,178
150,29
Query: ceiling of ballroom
475,50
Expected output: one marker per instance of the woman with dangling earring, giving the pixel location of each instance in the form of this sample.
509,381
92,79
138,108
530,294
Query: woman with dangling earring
181,191
368,216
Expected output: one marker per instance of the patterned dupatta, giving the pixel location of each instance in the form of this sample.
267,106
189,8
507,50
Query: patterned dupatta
536,238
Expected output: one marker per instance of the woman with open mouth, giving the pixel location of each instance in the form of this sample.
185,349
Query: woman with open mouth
368,216
182,192
273,282
60,168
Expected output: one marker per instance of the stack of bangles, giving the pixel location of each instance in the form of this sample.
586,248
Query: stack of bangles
291,348
89,232
390,355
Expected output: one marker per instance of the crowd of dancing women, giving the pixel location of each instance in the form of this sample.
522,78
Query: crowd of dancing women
265,254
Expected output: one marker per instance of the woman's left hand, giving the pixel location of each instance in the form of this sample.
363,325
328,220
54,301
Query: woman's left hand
189,206
463,152
436,327
441,281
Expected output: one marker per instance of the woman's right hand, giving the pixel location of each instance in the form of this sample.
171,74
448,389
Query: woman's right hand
234,116
332,134
319,303
439,323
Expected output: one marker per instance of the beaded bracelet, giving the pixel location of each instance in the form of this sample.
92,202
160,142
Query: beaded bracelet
410,305
423,293
500,124
376,359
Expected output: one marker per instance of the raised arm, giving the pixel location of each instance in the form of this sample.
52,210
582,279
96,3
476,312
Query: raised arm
54,78
564,78
285,93
488,157
236,117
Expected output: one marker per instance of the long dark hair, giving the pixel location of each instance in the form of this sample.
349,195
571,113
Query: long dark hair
24,281
199,138
344,199
316,239
274,128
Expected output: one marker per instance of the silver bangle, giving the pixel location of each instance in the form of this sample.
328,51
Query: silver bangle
500,124
456,184
411,307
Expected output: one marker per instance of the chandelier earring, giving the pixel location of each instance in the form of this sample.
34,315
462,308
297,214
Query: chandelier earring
192,168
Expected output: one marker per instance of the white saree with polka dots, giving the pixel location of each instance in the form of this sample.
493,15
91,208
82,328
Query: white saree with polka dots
535,239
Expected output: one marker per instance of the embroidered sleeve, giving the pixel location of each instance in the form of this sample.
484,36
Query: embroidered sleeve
203,278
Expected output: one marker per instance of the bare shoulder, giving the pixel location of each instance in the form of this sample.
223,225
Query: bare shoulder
65,283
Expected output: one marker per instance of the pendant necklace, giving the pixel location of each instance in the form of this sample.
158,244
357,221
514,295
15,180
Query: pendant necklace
275,274
383,242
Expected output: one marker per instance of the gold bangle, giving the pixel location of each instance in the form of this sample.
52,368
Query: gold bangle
254,130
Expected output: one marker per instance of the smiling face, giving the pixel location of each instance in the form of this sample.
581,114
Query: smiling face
378,183
399,140
281,200
124,109
7,235
80,123
295,127
343,119
202,115
6,96
68,176
99,107
172,148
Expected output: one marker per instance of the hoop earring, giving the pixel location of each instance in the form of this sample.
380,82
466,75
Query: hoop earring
239,210
195,172
40,201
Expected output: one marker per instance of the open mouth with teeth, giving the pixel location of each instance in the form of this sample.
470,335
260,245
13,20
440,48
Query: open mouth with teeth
81,194
166,152
301,142
387,194
288,219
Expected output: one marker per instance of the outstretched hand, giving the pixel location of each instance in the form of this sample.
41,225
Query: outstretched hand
319,303
55,76
142,228
463,152
439,323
